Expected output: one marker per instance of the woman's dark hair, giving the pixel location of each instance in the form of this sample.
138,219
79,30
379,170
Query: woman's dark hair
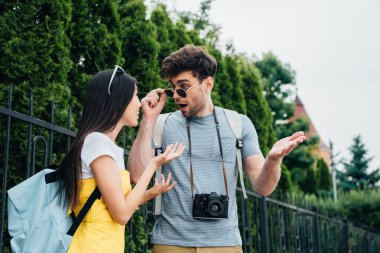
189,58
101,112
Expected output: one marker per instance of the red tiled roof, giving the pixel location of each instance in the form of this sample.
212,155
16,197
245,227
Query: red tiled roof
299,112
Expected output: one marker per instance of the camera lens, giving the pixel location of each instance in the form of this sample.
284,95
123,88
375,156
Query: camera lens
215,208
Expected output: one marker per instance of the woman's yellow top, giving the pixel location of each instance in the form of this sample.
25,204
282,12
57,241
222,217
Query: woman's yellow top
98,232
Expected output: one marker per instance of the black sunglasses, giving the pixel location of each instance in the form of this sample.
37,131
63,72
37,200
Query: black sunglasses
181,92
118,70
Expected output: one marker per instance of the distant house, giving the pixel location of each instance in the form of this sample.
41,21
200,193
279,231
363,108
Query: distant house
323,151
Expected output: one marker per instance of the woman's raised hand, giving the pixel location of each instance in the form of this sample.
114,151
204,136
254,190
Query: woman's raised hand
163,186
172,152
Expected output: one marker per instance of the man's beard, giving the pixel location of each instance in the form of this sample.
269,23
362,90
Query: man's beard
193,110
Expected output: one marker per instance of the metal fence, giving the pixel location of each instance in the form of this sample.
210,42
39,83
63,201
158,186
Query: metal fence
266,225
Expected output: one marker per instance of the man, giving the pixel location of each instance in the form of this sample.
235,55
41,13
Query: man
210,154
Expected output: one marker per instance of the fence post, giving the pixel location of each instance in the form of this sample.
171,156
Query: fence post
366,242
245,225
264,224
5,172
51,132
316,230
346,236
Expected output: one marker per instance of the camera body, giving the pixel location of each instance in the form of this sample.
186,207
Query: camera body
210,206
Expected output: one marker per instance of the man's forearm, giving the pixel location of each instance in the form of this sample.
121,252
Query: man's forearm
265,180
141,151
264,174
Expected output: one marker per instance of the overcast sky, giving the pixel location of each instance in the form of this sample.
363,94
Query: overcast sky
334,47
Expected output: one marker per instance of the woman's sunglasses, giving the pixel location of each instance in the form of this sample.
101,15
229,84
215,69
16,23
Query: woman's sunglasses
181,92
118,70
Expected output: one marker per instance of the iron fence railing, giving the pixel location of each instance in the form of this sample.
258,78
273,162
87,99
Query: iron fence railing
266,225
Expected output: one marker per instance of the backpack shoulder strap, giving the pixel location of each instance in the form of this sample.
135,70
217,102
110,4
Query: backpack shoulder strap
82,213
158,131
235,122
236,125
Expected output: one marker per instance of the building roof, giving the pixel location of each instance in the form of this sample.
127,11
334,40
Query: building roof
301,111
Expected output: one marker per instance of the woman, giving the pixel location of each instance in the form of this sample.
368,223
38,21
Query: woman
94,159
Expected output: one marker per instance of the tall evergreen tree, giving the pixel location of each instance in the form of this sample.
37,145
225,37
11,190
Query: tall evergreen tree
236,96
181,35
257,107
94,33
216,94
164,30
356,174
167,37
323,176
285,184
172,36
34,57
224,83
34,53
309,183
140,46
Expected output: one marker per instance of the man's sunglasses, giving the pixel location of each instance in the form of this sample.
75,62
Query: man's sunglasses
181,92
118,70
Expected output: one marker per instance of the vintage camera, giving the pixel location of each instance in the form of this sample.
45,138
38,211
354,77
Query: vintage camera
210,206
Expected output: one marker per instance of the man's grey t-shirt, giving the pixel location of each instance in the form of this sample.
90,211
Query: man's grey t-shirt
176,226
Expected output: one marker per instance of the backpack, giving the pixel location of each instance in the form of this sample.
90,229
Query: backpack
37,222
236,126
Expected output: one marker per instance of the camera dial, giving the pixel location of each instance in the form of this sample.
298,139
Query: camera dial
215,208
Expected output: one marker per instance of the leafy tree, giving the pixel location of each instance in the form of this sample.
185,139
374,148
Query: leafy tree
276,77
259,112
357,206
301,161
257,107
361,206
356,175
205,31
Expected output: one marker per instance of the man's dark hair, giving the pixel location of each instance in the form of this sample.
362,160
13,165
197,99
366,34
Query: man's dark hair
189,58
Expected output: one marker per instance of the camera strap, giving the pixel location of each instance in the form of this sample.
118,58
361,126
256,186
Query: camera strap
221,153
